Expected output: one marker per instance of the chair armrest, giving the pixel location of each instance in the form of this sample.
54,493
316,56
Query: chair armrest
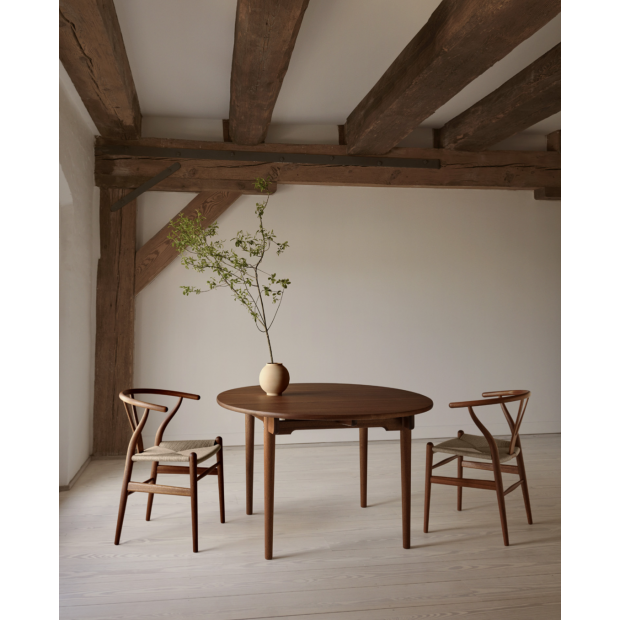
504,393
138,403
166,393
493,398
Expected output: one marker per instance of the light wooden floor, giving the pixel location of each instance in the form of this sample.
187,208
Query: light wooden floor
332,559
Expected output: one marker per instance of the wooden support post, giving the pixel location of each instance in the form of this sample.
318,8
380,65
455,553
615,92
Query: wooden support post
114,340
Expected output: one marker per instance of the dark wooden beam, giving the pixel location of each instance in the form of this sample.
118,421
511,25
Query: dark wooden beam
554,143
114,340
265,35
526,99
459,169
342,138
460,41
179,184
548,193
157,253
226,130
93,53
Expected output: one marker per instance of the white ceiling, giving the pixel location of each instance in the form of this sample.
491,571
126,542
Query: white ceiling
181,53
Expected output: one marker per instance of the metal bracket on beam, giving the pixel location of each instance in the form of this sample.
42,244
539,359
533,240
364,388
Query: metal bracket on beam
125,200
272,158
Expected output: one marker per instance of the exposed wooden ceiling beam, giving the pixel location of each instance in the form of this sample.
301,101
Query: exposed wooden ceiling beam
181,184
460,41
157,253
554,141
554,144
459,169
93,53
529,97
265,35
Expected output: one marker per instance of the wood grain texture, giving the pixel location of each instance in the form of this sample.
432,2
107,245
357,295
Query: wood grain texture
326,401
114,340
529,97
335,561
93,53
265,35
460,41
157,253
459,169
554,144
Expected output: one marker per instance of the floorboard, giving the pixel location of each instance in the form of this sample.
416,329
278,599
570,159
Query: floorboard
332,559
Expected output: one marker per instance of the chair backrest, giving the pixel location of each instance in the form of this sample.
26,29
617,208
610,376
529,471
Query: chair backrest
131,404
499,398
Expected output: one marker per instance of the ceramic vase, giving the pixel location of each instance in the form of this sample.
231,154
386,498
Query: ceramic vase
274,379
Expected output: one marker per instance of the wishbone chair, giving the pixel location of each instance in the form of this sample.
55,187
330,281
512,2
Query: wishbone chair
191,452
486,447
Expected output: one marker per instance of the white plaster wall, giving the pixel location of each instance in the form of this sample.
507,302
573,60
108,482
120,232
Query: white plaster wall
445,292
78,263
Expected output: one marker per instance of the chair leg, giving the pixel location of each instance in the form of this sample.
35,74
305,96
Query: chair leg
499,486
220,478
123,502
427,487
459,490
526,493
193,484
149,501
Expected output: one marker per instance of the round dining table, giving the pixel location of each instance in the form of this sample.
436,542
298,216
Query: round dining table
311,406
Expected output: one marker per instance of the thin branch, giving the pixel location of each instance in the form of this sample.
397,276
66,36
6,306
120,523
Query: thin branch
278,308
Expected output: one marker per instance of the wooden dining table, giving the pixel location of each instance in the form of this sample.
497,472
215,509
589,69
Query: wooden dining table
311,406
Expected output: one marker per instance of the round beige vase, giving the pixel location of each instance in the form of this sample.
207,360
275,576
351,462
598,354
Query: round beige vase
274,379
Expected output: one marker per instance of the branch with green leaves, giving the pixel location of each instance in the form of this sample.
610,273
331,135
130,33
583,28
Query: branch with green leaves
237,269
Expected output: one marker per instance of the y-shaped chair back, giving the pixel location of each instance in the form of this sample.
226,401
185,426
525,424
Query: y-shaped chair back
499,398
137,424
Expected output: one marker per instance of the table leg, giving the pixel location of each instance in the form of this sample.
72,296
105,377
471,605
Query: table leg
270,462
405,481
249,463
363,467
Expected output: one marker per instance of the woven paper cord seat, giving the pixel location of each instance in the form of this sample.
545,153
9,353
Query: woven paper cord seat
476,446
179,451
